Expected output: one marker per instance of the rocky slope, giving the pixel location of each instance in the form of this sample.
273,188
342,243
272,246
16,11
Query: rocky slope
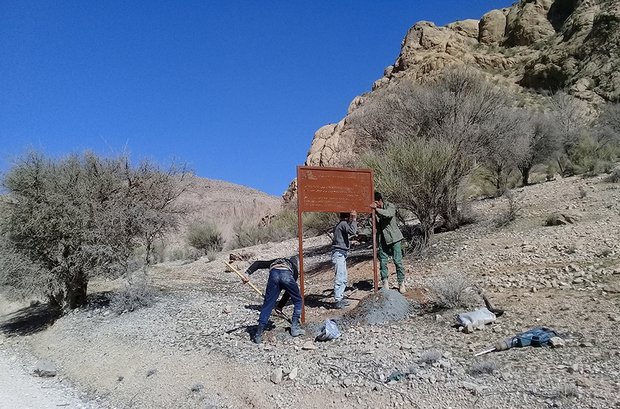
533,46
192,349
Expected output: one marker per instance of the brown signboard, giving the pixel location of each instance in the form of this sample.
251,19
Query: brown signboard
334,189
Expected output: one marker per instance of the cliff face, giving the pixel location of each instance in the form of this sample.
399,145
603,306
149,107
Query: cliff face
534,46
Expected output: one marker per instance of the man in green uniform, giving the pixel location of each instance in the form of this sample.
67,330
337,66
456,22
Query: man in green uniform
389,239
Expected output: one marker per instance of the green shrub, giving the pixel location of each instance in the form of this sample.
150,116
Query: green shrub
205,237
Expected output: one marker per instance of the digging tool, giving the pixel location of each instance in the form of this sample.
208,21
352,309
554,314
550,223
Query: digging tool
535,337
246,280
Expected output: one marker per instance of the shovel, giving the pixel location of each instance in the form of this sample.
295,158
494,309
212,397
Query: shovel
247,281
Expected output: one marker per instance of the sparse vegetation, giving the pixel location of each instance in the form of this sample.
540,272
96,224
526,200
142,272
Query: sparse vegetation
453,290
137,293
430,356
319,223
510,213
280,227
205,237
567,390
428,138
487,367
614,177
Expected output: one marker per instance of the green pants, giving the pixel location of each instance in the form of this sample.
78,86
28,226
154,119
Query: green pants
395,251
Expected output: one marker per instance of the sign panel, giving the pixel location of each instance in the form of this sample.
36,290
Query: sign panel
334,189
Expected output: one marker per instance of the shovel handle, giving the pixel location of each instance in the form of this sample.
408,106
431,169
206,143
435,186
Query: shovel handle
245,279
281,314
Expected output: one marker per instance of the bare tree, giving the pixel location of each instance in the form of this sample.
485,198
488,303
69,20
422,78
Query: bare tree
608,126
570,116
76,218
537,143
506,150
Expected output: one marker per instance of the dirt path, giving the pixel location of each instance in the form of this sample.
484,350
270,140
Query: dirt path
20,390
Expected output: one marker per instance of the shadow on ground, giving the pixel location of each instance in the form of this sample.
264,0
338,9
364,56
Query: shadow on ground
29,320
323,266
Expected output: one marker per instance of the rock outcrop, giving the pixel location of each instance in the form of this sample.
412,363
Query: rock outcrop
548,45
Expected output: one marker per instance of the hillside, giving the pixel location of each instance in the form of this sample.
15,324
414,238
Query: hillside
530,49
223,203
192,349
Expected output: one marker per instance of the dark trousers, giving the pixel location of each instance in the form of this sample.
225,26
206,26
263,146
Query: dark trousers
280,279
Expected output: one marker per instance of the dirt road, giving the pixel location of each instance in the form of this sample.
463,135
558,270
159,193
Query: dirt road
21,390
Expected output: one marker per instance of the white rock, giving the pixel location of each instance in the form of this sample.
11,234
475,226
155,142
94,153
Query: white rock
45,368
276,375
293,374
557,342
309,346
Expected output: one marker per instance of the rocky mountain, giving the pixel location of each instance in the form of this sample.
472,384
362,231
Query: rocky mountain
533,47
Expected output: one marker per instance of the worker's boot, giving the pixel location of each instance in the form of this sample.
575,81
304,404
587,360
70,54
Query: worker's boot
258,336
296,329
385,283
401,288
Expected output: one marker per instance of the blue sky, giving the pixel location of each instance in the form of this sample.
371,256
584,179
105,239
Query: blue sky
236,89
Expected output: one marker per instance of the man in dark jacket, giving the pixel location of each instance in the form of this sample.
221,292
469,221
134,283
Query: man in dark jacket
340,247
389,239
283,273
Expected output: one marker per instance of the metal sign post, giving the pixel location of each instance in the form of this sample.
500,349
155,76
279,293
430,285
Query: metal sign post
334,190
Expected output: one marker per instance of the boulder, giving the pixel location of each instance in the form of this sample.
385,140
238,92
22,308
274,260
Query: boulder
467,28
492,27
527,23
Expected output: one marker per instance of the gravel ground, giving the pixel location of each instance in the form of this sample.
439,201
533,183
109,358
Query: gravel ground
19,389
192,348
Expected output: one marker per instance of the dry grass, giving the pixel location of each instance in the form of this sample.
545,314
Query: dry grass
137,293
453,290
483,368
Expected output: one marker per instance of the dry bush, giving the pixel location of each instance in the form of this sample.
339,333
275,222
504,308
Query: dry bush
430,356
510,213
538,142
567,390
483,368
184,253
205,237
281,227
453,290
137,293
